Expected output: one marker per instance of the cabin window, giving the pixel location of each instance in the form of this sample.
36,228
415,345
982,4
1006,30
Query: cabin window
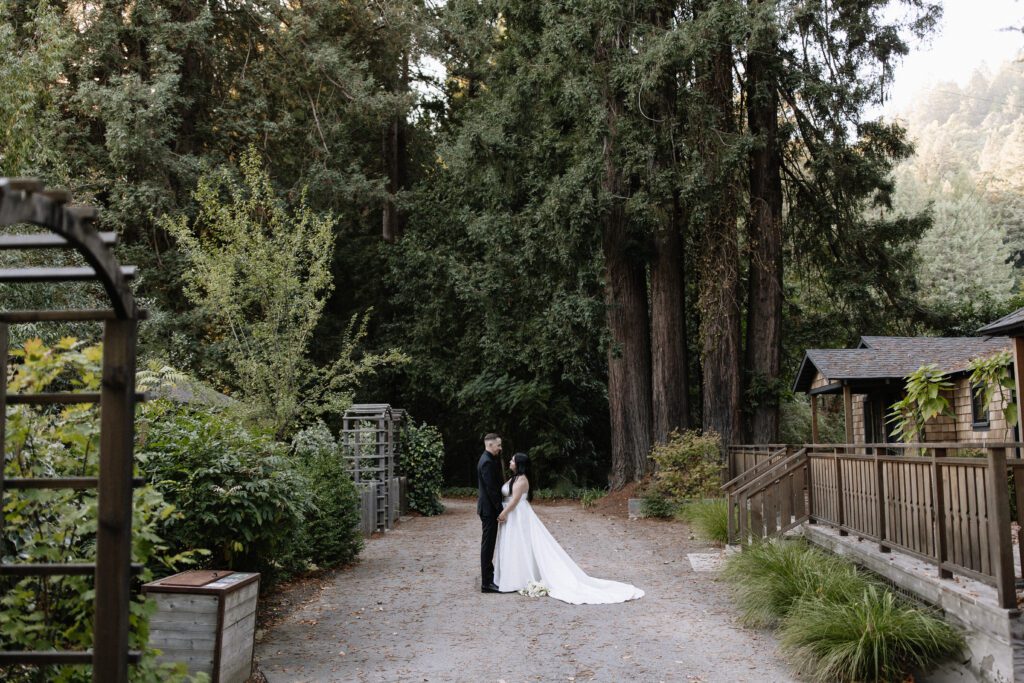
979,409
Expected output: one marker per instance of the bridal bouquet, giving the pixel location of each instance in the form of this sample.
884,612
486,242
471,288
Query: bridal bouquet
534,589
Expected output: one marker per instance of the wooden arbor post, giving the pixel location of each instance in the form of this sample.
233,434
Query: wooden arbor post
26,202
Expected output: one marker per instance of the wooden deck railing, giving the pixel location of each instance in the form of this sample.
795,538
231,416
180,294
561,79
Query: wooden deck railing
947,504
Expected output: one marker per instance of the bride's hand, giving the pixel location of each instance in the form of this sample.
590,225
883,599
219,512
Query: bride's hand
502,517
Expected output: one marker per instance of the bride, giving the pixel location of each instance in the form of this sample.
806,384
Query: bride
526,551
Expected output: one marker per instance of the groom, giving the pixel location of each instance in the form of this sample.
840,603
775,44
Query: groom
488,506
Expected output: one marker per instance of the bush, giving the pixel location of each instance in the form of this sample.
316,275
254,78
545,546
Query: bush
710,518
770,577
333,518
459,492
590,496
421,461
237,490
688,466
657,505
871,638
59,525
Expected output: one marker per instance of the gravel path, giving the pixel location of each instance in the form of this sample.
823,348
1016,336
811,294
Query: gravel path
411,610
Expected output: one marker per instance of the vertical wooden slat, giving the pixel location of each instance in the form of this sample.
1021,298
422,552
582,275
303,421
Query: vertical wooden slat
999,528
975,524
810,481
984,550
1018,486
880,503
114,528
939,507
840,503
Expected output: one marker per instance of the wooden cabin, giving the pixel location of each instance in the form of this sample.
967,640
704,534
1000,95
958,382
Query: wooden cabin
872,376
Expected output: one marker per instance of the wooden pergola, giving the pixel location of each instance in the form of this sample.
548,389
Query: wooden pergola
25,201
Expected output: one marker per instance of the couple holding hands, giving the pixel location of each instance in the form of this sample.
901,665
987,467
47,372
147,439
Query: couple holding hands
516,549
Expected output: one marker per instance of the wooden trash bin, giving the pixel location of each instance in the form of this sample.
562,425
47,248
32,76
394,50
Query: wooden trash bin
207,620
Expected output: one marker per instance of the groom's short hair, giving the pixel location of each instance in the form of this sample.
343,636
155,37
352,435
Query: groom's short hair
491,437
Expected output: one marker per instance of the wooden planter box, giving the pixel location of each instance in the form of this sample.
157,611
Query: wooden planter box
206,620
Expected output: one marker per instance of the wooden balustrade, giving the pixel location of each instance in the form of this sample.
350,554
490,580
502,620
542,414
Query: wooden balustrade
944,503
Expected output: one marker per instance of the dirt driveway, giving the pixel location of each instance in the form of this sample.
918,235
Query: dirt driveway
411,610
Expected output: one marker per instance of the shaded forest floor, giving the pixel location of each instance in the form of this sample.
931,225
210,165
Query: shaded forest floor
411,610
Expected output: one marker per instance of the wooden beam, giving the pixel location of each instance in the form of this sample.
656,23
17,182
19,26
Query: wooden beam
848,412
815,434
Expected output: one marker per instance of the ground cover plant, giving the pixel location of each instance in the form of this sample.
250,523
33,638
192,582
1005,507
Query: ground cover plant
836,623
709,518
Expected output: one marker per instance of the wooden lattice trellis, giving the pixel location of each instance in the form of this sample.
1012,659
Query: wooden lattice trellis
371,442
24,201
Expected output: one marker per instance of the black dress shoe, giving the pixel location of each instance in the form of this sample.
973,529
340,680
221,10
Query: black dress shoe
490,588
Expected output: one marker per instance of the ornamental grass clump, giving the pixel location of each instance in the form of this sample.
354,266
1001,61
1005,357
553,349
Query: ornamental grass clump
875,637
769,578
710,519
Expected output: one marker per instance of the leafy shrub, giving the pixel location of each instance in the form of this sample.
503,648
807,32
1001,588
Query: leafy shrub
333,519
459,492
657,505
59,525
688,465
770,577
421,461
710,518
590,496
237,491
872,638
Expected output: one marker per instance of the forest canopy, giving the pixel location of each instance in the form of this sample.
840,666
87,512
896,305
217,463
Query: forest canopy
582,225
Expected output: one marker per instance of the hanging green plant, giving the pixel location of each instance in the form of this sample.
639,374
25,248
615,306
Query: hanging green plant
991,376
923,400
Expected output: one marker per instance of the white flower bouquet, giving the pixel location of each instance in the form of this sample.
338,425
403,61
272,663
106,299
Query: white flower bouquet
534,589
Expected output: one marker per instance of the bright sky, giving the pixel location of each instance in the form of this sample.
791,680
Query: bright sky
969,35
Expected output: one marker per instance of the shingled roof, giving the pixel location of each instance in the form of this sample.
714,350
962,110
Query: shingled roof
1012,324
893,358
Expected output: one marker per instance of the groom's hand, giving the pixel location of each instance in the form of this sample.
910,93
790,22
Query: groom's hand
502,517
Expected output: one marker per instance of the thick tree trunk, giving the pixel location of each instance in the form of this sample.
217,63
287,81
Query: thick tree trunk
629,351
669,384
764,237
719,258
629,364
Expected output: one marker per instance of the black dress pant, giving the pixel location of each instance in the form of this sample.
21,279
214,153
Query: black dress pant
489,525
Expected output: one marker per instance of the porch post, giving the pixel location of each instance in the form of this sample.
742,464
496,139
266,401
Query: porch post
848,410
1018,378
814,419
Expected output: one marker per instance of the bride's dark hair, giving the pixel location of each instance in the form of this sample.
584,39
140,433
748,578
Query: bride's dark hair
522,461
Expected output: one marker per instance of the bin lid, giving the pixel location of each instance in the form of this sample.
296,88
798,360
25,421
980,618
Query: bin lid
201,581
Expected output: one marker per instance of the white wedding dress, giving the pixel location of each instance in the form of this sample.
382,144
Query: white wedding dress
526,552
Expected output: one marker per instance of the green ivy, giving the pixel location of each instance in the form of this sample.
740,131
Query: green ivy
421,461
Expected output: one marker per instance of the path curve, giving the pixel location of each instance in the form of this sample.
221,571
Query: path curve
411,610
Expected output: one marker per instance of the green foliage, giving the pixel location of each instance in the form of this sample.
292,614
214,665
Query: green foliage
59,525
993,375
460,492
260,272
923,400
836,623
688,465
421,460
769,578
874,637
237,491
589,497
657,505
710,518
333,521
795,420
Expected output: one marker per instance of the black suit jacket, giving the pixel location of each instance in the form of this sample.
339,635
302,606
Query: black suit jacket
488,474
